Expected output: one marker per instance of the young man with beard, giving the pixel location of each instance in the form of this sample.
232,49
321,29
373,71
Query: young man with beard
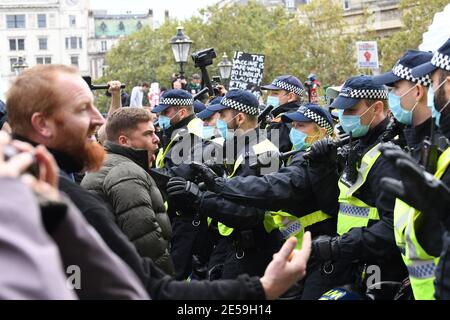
125,183
60,93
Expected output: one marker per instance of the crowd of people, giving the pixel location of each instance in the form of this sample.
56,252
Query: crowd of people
186,201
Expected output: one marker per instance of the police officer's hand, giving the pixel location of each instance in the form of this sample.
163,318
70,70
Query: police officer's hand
420,190
324,150
393,152
326,248
204,174
183,194
269,159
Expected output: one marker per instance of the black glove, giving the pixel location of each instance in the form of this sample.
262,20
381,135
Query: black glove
393,152
184,195
204,174
265,160
324,150
420,189
326,248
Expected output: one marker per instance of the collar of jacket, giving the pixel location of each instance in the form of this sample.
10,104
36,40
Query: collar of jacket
254,137
415,135
65,162
445,125
373,136
287,107
138,156
183,123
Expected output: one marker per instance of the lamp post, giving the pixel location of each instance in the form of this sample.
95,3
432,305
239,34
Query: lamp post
20,65
225,68
180,47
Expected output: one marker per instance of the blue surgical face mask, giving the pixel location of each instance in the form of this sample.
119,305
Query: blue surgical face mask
164,122
208,131
402,115
352,123
298,139
434,112
223,128
273,101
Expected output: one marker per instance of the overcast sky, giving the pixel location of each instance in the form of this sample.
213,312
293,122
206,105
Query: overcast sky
177,8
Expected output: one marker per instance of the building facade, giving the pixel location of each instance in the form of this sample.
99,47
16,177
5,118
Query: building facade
43,32
105,30
382,16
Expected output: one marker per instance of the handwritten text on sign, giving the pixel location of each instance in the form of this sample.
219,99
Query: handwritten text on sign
247,70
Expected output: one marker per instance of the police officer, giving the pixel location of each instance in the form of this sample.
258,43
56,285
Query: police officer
292,189
431,198
408,101
180,127
365,220
422,233
285,95
293,193
409,105
209,119
248,243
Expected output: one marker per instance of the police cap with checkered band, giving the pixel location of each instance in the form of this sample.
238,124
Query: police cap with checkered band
440,59
286,82
174,97
311,112
207,113
240,100
356,89
403,67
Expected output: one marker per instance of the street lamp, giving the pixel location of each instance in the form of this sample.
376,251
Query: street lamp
20,65
180,47
225,67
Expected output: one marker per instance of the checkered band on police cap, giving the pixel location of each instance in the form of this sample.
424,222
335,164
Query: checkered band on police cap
405,73
441,60
176,102
288,87
372,94
227,102
317,118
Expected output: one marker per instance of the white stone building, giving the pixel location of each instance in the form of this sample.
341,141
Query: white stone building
43,32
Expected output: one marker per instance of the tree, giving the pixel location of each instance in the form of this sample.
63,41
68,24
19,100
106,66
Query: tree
417,15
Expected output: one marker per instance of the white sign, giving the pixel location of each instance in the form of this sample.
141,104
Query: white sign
367,54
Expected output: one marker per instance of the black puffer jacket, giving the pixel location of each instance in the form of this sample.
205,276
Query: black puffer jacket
137,203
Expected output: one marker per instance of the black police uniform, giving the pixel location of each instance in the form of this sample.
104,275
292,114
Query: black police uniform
374,244
285,144
249,237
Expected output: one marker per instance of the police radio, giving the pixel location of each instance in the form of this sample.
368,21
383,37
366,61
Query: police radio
429,153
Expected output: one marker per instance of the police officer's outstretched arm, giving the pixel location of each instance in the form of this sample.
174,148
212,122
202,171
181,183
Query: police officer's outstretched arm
287,267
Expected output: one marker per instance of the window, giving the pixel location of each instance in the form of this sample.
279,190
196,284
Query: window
74,43
121,26
12,62
290,4
346,4
139,25
72,21
103,27
16,44
14,21
74,60
43,60
104,46
42,21
42,43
